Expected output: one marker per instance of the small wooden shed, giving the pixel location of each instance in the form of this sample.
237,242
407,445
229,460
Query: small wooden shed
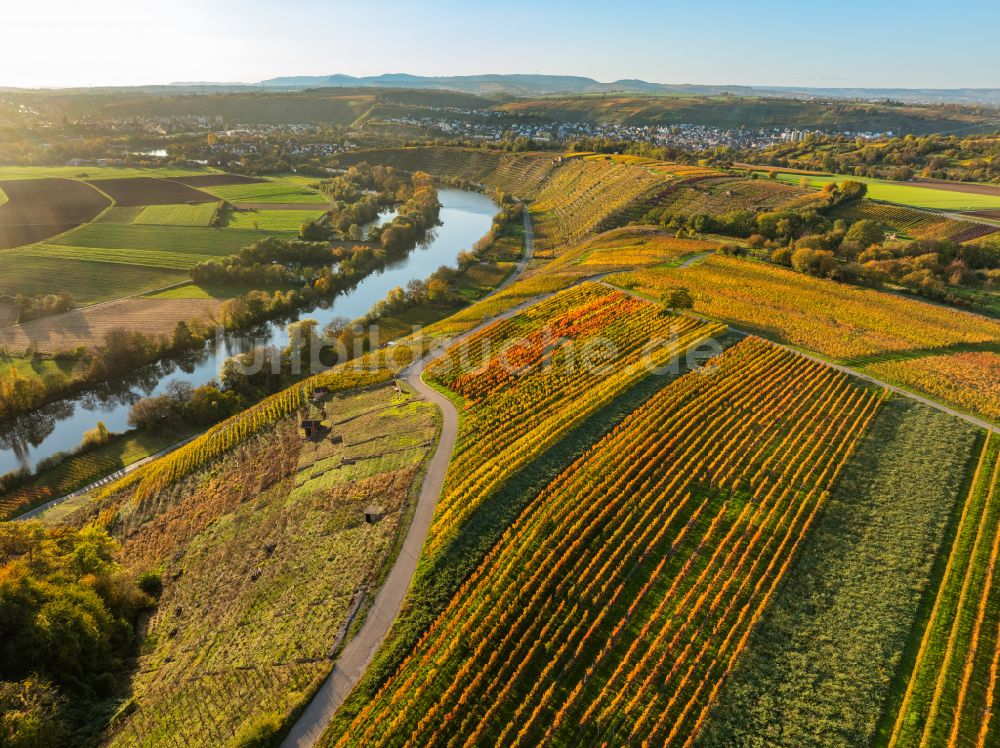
373,514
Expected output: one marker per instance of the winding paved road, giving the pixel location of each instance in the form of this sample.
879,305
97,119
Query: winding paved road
358,652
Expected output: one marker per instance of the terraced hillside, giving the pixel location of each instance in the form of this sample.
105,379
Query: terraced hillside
242,635
520,174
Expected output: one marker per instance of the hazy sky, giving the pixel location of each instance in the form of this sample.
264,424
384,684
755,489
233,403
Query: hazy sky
846,43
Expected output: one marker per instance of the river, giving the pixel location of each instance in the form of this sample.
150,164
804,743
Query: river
465,218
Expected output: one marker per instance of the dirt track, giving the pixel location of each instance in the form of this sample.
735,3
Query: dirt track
358,652
990,215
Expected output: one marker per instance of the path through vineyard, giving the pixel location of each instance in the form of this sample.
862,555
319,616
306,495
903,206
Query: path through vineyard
357,653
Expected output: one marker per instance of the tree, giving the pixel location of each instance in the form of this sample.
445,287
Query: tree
31,714
865,232
677,298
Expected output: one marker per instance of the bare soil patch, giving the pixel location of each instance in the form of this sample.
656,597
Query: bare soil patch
991,215
37,209
150,191
88,325
217,180
967,187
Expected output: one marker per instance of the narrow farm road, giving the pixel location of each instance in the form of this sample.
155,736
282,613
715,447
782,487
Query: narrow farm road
978,422
103,481
358,652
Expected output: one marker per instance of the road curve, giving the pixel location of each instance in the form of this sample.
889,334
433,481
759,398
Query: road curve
358,652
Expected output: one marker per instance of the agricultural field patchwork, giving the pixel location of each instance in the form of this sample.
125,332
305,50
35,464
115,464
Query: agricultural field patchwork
620,599
38,209
267,192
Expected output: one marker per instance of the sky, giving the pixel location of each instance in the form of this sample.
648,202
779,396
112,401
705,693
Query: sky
877,43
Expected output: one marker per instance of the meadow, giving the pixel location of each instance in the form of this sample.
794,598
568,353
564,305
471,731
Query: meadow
267,192
900,192
89,282
271,220
177,215
179,239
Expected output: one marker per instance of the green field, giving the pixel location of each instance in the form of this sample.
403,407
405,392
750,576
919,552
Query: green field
176,215
88,282
152,258
95,172
183,239
272,220
266,192
117,214
31,367
901,193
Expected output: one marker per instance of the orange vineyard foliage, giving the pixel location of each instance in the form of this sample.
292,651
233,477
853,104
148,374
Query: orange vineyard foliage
615,606
530,378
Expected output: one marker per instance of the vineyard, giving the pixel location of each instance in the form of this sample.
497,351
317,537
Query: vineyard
821,665
615,606
265,555
585,196
910,343
527,379
911,222
520,174
80,470
951,696
715,194
150,479
970,380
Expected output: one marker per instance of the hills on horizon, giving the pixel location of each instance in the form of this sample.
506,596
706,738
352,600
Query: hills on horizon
537,84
